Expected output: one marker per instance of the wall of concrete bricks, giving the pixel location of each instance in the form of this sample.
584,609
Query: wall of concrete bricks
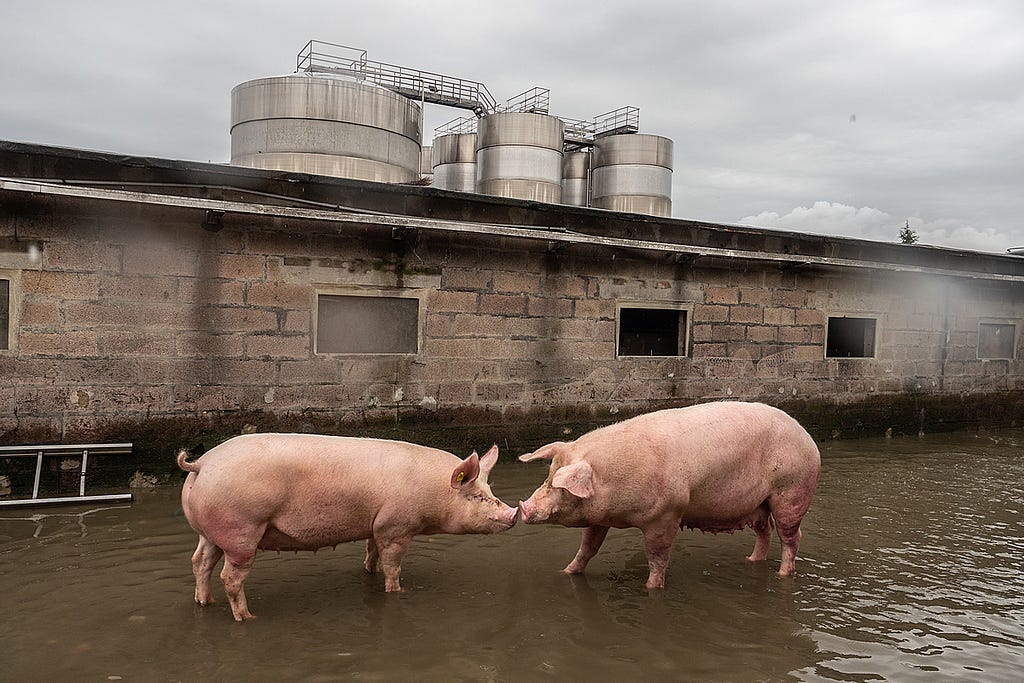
124,314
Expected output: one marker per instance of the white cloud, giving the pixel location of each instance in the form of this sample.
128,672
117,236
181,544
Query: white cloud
834,218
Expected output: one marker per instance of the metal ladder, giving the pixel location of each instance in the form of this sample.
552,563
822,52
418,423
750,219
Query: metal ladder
81,450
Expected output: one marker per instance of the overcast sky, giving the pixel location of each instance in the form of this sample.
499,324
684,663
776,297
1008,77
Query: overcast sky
846,118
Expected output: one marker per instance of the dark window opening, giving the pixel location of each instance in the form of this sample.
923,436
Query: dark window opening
5,314
995,340
652,332
367,324
850,338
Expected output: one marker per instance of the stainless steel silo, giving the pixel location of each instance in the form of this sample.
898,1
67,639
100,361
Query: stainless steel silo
519,155
325,125
632,173
455,162
576,178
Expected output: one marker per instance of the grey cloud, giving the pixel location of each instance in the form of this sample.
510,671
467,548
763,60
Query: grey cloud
758,97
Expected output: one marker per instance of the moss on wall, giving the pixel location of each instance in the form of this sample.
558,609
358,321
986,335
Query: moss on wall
158,440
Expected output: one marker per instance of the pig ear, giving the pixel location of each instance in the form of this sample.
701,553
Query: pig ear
542,453
466,472
577,479
489,460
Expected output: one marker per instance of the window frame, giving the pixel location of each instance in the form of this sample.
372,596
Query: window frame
418,295
853,316
679,306
13,297
999,321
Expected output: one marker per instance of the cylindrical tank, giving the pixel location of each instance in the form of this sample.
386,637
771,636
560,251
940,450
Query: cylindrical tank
519,155
325,125
633,173
455,162
427,165
576,178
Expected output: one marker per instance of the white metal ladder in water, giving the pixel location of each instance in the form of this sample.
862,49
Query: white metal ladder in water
79,450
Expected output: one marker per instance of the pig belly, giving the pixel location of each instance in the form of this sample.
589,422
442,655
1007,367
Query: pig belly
730,511
312,539
716,524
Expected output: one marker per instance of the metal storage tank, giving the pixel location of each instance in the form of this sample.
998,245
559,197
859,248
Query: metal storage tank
455,162
325,125
576,178
632,173
519,155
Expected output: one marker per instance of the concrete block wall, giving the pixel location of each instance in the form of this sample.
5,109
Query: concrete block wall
131,314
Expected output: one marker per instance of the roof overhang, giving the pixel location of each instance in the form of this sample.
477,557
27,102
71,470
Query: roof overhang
549,234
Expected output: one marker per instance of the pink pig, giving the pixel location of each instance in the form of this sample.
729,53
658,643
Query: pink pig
715,467
304,492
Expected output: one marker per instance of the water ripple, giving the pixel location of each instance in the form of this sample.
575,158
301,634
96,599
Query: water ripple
911,569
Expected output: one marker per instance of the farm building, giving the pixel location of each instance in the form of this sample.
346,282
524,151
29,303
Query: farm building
154,300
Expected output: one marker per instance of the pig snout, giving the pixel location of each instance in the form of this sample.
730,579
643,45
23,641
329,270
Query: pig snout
498,518
527,512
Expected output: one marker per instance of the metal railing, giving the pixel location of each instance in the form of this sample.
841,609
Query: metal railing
617,121
82,451
578,132
532,101
318,56
461,124
321,57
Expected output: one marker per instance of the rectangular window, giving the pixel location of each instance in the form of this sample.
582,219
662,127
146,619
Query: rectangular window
652,331
850,338
367,324
5,314
997,340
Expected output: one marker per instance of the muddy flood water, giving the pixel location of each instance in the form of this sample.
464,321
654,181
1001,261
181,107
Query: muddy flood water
911,569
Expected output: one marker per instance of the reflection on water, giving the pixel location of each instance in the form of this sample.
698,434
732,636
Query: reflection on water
912,568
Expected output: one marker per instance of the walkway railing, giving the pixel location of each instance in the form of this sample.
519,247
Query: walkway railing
426,86
321,57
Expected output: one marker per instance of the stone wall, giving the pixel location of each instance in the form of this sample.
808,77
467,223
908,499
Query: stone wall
134,314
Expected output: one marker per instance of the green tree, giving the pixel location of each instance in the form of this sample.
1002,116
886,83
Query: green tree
907,236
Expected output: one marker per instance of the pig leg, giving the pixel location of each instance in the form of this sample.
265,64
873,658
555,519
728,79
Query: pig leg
372,560
788,513
790,536
391,554
236,570
239,554
593,537
658,546
763,528
205,558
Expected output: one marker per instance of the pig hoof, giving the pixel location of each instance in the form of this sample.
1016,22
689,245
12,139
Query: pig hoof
573,571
